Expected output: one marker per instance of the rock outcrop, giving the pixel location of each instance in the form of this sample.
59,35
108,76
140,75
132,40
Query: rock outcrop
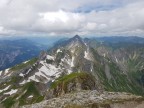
73,82
92,99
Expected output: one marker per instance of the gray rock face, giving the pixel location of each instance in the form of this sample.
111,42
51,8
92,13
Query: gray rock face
92,99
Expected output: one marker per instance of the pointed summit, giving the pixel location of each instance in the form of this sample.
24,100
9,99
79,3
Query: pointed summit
76,37
73,40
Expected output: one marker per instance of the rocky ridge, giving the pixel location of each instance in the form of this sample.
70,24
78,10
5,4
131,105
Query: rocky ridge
92,99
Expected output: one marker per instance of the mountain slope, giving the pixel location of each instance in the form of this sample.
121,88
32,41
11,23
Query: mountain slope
74,65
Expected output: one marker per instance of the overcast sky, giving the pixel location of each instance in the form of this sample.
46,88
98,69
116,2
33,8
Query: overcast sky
70,17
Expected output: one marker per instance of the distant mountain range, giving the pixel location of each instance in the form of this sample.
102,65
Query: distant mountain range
79,73
117,39
17,51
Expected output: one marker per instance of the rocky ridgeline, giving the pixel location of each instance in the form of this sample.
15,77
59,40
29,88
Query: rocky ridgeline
92,99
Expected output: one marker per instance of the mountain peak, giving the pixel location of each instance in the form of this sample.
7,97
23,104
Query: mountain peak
77,37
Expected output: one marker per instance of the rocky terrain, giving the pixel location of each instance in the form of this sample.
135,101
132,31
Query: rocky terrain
74,65
92,99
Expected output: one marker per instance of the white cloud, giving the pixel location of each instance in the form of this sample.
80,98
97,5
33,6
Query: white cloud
60,22
59,17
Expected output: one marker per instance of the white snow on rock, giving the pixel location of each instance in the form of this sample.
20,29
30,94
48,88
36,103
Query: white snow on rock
5,73
30,96
46,71
73,50
85,44
104,55
49,72
67,64
86,55
21,74
116,59
4,99
11,92
59,51
0,73
69,71
72,62
91,68
23,82
86,52
5,89
33,78
50,57
28,71
49,69
26,61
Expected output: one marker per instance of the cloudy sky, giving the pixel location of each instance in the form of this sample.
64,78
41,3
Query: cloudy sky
70,17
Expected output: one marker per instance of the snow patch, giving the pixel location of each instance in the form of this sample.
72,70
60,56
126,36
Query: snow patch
11,92
86,55
49,69
46,71
73,50
30,96
5,89
67,63
33,78
91,68
104,55
59,51
28,71
5,73
116,59
4,99
49,72
23,82
69,71
85,44
50,57
22,75
26,61
72,62
1,72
